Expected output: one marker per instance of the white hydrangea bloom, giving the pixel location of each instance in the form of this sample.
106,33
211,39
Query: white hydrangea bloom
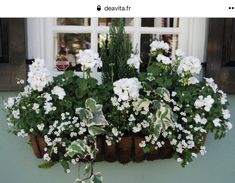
127,89
88,59
189,64
159,45
38,76
134,61
164,59
210,82
59,92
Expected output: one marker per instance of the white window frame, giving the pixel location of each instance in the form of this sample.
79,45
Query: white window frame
42,31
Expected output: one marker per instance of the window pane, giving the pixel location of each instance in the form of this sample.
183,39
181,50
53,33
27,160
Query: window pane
107,21
146,39
69,44
74,21
160,22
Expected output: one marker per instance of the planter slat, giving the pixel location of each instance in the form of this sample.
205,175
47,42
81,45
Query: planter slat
138,151
35,147
110,154
125,149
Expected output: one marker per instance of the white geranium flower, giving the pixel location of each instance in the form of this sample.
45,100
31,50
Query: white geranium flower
88,59
189,64
226,113
134,61
59,92
48,107
208,101
200,120
179,53
163,59
216,122
159,45
127,89
210,82
199,102
38,76
137,128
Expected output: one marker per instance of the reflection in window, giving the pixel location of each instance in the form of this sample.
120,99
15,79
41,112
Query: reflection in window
69,44
160,22
107,21
74,21
146,39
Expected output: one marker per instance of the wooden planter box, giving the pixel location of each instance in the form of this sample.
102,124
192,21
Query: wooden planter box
125,151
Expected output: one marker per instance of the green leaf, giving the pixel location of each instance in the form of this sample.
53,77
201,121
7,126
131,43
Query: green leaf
91,104
97,178
47,164
65,165
82,83
94,130
87,168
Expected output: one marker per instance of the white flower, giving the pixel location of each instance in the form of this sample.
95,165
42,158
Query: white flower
210,82
189,64
229,125
223,99
137,128
193,80
198,119
10,102
163,59
173,142
16,114
46,157
131,118
179,160
59,92
173,93
216,122
40,126
142,144
145,124
38,76
88,59
134,61
48,107
199,102
204,102
35,106
226,113
179,53
115,132
159,45
203,150
127,89
22,133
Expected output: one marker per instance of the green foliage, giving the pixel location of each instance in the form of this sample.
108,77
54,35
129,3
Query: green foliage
115,53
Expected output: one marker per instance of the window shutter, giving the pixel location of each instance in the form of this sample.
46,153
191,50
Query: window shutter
221,53
13,45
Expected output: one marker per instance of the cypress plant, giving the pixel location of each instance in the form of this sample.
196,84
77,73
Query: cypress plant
115,53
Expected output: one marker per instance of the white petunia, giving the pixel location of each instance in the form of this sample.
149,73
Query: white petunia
210,82
59,92
226,113
134,61
216,122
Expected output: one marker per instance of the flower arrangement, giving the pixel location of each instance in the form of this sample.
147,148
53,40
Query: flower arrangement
168,105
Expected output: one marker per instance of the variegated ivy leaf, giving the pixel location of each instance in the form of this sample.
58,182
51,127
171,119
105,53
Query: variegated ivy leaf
96,178
95,130
98,118
90,104
142,104
164,93
77,147
84,114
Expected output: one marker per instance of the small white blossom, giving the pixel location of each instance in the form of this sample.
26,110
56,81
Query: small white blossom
142,144
46,157
226,113
163,59
115,131
40,127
